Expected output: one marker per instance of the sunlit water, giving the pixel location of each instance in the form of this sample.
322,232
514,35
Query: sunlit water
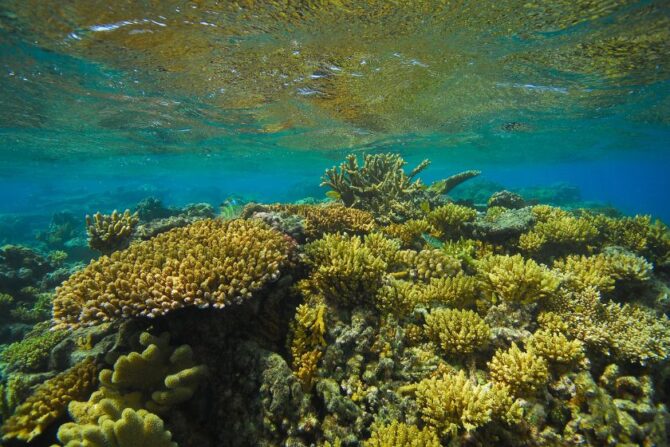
104,104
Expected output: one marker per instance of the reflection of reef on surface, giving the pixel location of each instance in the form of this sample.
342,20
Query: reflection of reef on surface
326,324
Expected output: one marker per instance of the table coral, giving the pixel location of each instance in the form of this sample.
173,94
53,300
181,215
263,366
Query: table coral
523,372
209,263
515,279
457,331
108,233
398,434
49,402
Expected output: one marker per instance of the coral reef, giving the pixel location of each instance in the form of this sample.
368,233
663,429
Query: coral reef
506,199
209,263
382,187
522,372
398,434
457,331
49,402
110,232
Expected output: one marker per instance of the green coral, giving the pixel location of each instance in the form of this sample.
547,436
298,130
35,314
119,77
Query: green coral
110,232
457,331
515,279
32,353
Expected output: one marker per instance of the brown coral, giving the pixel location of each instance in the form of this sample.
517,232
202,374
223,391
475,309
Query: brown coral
209,263
49,401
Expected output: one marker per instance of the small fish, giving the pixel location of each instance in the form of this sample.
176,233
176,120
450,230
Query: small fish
432,240
333,195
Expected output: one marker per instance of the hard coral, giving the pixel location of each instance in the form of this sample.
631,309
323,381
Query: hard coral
398,434
515,279
382,187
49,401
108,233
209,263
523,372
457,331
450,219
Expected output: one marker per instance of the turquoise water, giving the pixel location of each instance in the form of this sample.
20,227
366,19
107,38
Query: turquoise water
99,104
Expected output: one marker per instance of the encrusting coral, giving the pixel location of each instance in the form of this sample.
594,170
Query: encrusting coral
49,401
209,263
457,331
398,434
515,279
108,233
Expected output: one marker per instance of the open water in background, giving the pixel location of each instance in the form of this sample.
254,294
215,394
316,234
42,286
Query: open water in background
103,104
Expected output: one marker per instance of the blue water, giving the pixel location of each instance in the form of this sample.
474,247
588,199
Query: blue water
101,108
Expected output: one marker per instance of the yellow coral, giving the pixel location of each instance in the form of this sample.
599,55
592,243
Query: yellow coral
398,298
49,401
430,263
558,230
458,290
457,331
523,372
209,263
602,270
307,331
409,232
555,347
513,279
450,219
398,434
108,233
118,427
345,269
452,401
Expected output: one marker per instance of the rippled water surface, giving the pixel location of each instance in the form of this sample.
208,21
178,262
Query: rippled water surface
105,103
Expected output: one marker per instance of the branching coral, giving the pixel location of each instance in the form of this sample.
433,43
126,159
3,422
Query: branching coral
398,298
513,279
557,232
398,434
345,269
451,401
108,233
457,331
410,232
117,427
629,332
429,263
209,263
307,331
32,352
602,270
555,347
49,401
523,372
382,187
459,290
450,219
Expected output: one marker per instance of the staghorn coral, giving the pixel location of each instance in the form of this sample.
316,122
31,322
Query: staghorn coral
451,402
459,290
555,347
209,263
629,332
429,263
307,331
398,298
449,220
156,379
398,434
513,279
382,187
603,270
117,427
345,269
409,232
108,233
457,332
523,372
49,401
